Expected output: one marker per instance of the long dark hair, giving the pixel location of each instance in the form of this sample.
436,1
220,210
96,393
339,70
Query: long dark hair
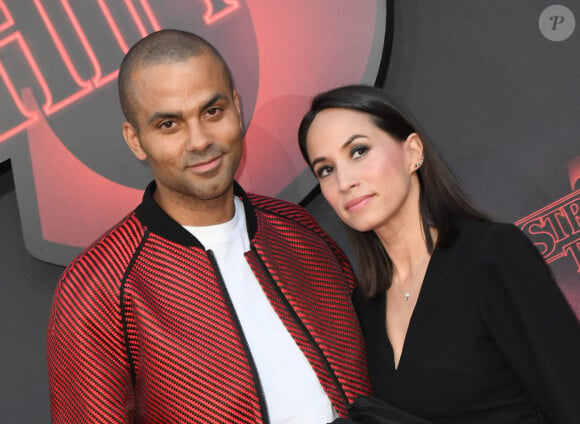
441,201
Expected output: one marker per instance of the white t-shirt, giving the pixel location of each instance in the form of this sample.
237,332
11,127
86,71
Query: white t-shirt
291,387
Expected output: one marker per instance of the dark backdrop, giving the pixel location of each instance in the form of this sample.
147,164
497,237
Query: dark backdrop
499,99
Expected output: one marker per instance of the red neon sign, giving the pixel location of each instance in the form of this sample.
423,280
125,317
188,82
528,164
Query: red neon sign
218,10
15,45
555,229
8,20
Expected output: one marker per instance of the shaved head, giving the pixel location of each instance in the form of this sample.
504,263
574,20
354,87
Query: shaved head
165,46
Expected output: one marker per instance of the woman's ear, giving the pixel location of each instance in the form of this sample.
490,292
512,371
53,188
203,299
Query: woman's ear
132,139
415,149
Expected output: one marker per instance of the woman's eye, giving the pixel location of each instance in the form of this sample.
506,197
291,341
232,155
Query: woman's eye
359,151
323,171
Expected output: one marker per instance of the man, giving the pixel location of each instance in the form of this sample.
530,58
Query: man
206,303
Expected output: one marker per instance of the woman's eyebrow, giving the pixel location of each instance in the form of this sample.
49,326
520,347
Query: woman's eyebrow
346,144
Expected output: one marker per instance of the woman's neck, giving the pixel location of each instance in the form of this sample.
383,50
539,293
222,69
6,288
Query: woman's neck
406,245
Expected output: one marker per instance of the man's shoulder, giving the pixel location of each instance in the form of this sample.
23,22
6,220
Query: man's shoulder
274,203
96,274
117,244
282,208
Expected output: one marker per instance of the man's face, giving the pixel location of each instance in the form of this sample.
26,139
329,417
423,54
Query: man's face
189,129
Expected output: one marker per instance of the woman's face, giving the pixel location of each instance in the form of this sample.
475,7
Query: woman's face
366,175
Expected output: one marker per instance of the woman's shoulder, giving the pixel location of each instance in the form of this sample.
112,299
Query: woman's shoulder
488,231
498,243
487,241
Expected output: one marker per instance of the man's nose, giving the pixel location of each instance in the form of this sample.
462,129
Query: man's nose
198,137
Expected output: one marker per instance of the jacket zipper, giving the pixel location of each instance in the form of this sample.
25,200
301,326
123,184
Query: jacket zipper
253,368
301,325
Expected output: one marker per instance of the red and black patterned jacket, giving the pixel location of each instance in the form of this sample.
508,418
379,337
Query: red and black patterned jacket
142,329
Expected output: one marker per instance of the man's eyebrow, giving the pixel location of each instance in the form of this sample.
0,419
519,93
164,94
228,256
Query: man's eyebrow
213,100
172,115
346,144
163,115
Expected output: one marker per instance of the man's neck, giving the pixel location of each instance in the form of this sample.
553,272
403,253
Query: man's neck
197,212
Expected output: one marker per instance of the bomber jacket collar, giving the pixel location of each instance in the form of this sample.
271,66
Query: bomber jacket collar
160,223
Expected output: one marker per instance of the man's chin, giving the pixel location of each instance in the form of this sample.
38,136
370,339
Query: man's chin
215,191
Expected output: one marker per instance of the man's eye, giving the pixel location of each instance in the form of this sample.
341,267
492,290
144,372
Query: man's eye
359,151
167,124
323,171
213,111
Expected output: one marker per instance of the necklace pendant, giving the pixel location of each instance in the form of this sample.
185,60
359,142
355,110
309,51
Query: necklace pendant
406,296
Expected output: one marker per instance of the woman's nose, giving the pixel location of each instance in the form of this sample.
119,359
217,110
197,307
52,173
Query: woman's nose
346,179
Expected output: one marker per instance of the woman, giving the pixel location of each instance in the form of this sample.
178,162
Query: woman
463,320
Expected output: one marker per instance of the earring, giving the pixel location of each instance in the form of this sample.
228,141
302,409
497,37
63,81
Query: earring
418,164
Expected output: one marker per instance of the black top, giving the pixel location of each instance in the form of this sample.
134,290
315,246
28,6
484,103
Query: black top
491,339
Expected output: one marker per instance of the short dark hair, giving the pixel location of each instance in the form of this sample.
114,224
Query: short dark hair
441,201
166,45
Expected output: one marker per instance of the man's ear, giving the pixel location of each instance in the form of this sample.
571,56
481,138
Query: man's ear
132,139
238,107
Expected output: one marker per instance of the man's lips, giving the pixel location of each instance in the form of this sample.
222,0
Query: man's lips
357,202
206,165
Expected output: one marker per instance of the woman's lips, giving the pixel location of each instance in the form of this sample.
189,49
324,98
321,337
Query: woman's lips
357,203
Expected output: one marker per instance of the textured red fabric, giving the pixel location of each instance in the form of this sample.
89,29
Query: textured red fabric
142,331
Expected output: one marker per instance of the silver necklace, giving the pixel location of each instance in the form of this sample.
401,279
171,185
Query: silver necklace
407,294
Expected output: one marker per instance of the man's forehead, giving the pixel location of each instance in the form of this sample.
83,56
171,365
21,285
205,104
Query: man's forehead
154,90
199,66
